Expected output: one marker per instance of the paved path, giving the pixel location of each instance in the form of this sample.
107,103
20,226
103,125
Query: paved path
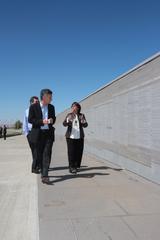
18,192
100,203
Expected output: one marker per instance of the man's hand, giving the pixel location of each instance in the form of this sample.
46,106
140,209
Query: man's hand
45,121
48,121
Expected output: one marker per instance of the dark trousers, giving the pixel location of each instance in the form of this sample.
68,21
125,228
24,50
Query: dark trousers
35,160
45,151
75,152
4,136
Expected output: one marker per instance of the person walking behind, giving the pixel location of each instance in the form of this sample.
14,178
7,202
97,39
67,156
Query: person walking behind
1,130
4,132
26,131
75,121
42,117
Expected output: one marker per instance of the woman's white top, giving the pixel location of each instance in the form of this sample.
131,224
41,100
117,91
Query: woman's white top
75,134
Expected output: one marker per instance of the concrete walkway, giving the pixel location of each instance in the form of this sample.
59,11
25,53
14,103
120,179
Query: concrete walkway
101,203
18,192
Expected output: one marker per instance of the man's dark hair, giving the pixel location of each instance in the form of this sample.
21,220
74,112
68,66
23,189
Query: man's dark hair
77,105
45,91
32,99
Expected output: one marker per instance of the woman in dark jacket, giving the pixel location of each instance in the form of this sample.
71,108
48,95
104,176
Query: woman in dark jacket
75,121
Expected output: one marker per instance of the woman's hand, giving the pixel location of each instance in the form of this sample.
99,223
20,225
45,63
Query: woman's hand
69,119
83,121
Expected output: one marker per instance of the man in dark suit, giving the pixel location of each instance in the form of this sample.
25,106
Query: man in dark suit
42,117
26,130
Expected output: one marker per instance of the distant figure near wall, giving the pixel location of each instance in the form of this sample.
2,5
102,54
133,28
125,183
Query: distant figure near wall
4,132
1,130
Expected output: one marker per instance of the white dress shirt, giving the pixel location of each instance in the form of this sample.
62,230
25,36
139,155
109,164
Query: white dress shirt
26,125
44,109
75,134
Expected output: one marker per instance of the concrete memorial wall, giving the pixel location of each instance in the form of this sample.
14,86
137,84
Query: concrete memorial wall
124,120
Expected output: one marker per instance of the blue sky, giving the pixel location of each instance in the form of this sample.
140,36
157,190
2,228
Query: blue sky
70,46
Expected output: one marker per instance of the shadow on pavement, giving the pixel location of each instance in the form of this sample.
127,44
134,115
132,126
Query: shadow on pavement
62,168
69,176
86,168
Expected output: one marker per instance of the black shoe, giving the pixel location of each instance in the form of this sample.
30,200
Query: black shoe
36,171
45,180
72,170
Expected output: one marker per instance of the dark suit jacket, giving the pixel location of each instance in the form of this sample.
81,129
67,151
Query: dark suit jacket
35,117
